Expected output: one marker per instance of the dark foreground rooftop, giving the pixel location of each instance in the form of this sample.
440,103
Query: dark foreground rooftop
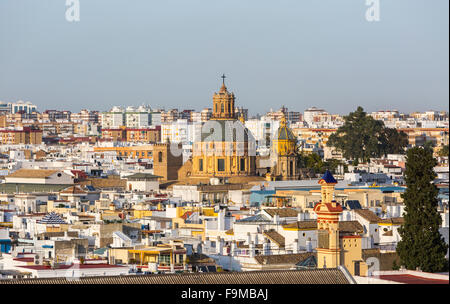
307,276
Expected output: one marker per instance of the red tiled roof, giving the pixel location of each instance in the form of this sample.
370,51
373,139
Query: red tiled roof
24,259
410,279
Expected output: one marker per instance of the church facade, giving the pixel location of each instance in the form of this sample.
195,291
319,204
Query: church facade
226,148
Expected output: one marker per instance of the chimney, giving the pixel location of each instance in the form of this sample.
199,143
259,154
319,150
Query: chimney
233,248
295,246
221,220
252,249
266,247
219,245
276,219
308,245
249,238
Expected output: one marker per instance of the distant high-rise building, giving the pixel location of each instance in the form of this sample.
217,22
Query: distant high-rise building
309,114
284,113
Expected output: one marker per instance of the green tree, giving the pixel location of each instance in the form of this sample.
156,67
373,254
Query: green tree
395,142
362,137
314,161
444,151
429,146
421,243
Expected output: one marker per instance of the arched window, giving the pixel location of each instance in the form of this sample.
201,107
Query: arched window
222,108
160,157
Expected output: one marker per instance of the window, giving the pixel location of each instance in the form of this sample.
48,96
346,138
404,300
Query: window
160,157
242,164
221,107
164,259
200,165
221,164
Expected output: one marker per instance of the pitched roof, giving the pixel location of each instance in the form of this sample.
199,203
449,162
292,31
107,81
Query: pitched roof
275,237
273,259
52,219
281,212
259,218
73,190
309,262
344,226
328,178
307,225
31,188
146,176
350,227
368,215
32,173
392,220
306,276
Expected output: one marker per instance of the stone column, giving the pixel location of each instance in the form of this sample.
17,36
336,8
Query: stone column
252,249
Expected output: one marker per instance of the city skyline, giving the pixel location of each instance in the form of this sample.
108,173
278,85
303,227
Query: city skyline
295,54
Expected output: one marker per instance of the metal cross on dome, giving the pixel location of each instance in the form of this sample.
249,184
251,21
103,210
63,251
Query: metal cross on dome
223,77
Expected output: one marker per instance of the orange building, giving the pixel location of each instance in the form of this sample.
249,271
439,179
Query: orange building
143,135
144,152
26,135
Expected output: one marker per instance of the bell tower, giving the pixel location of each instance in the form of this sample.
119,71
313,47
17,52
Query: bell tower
328,210
223,103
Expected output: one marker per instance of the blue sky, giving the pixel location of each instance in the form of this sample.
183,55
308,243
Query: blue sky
171,53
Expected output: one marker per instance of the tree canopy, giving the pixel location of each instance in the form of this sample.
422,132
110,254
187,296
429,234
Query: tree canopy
362,137
421,243
315,162
444,151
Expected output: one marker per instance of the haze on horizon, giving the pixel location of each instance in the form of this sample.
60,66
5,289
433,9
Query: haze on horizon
171,54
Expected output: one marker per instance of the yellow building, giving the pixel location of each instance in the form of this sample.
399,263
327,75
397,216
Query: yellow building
226,148
163,257
25,135
285,151
143,151
334,249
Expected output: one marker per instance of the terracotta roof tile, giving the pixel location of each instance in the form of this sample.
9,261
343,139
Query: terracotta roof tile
282,258
32,173
282,212
368,215
308,276
275,237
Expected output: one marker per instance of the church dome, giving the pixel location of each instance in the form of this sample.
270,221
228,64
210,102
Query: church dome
225,131
285,140
284,132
